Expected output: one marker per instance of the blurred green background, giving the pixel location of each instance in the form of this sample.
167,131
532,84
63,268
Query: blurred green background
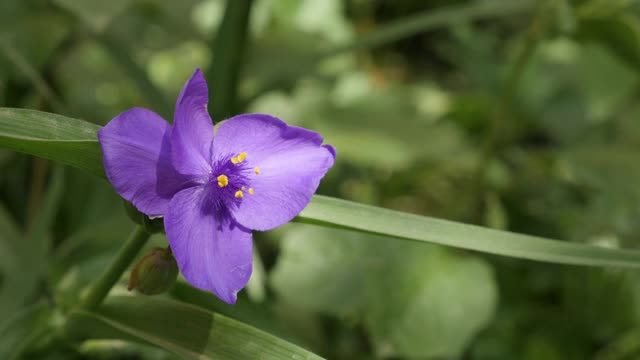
518,115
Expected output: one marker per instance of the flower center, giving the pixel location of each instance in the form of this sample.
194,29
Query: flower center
223,180
232,175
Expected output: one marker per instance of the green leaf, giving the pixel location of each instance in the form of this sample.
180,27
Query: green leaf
401,291
182,329
69,141
421,320
328,211
74,142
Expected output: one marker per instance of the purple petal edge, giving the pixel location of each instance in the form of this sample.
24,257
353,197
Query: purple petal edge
136,154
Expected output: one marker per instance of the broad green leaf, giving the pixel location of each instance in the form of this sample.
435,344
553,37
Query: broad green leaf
420,319
74,142
182,329
402,292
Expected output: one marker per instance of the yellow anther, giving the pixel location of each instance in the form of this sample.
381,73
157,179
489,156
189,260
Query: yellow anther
242,188
250,191
257,170
239,194
223,180
235,160
242,156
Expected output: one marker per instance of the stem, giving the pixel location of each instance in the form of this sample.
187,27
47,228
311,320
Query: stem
228,54
127,253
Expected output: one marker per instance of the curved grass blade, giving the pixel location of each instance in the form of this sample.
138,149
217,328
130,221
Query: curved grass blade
74,142
185,330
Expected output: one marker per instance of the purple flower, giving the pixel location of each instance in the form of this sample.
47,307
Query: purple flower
256,173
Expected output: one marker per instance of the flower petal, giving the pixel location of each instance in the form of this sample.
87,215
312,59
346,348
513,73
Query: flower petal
213,253
291,162
136,151
192,128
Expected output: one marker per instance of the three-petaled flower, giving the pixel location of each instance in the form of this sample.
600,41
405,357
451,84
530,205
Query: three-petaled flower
256,173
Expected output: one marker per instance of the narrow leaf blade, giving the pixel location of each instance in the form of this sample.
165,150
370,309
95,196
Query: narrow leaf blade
328,211
69,141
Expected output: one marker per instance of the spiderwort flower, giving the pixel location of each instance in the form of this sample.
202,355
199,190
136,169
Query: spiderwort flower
256,173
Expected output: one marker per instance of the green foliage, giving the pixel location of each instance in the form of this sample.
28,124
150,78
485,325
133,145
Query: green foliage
184,330
503,117
72,142
25,255
68,134
18,329
434,301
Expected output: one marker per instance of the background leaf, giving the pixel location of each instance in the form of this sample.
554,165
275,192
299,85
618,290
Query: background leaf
434,301
185,330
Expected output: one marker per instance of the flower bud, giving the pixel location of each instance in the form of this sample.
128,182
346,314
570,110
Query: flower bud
155,273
